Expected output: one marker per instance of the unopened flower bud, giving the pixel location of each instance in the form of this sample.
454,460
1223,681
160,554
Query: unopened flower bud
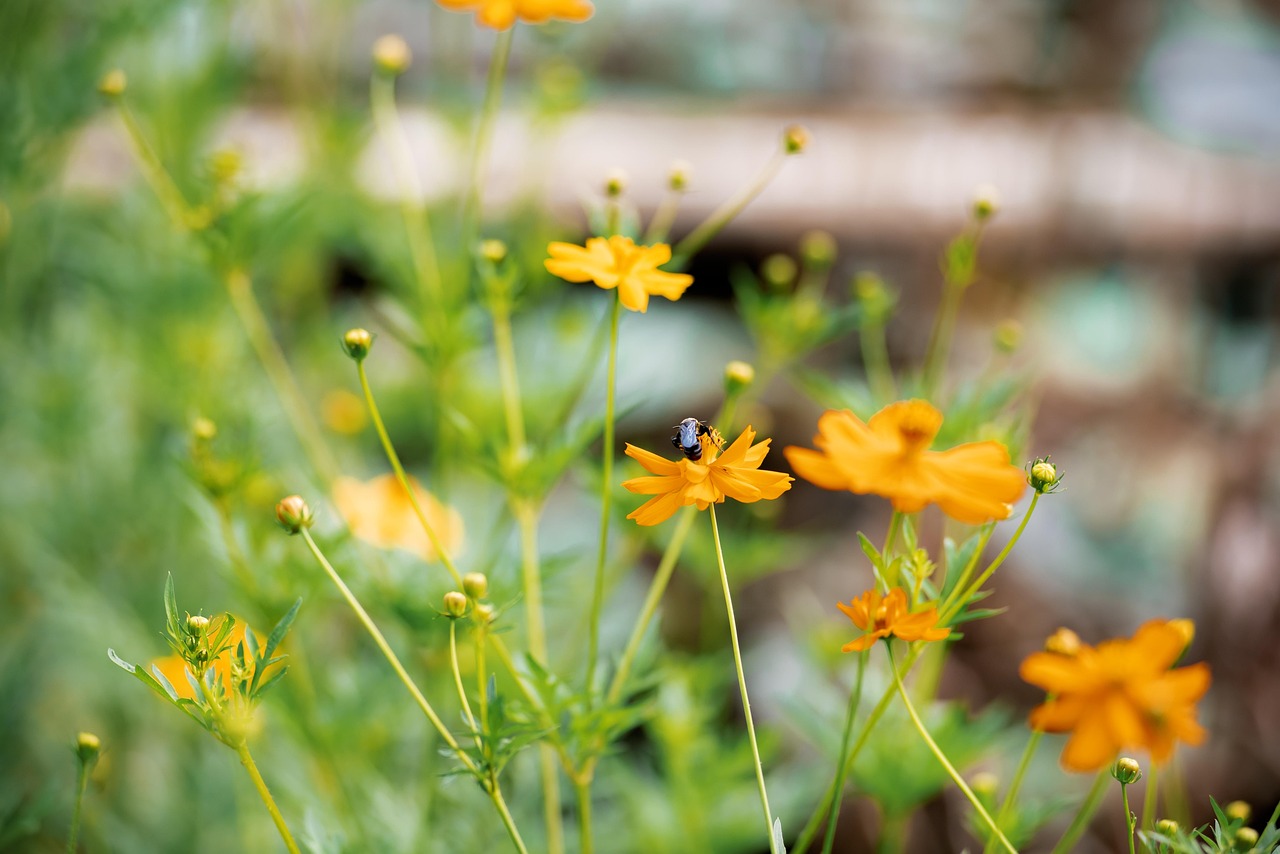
113,83
985,785
225,165
1063,642
494,251
795,139
88,748
1239,810
1126,770
484,613
476,584
1186,628
203,429
678,177
1043,476
779,271
391,55
1245,839
1167,827
1008,336
294,514
197,623
357,342
737,376
455,604
818,249
986,202
615,183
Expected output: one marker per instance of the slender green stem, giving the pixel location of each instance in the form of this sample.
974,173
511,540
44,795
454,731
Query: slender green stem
719,218
500,803
606,499
422,250
385,648
394,459
482,678
1129,817
967,572
484,134
940,340
267,348
1150,796
957,602
1275,816
583,788
742,683
162,183
841,768
246,759
457,683
508,376
1084,815
663,218
82,783
942,757
1011,796
875,358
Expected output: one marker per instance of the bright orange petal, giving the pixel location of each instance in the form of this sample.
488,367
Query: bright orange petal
664,284
657,485
1091,745
1056,674
975,483
656,510
652,462
815,467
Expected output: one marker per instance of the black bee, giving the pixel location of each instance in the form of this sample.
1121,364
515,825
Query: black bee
688,437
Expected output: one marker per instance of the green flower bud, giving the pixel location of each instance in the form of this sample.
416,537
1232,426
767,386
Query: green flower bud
475,584
1238,810
795,139
737,376
1245,839
203,429
391,55
294,514
985,785
1126,770
1008,336
779,271
986,202
1043,476
494,251
88,748
1167,827
818,249
357,342
678,177
1063,642
455,604
615,183
113,83
197,623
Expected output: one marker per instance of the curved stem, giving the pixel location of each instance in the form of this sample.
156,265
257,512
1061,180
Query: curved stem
957,602
457,683
82,783
1011,796
841,768
484,133
394,459
942,757
385,649
246,759
606,499
742,683
162,183
940,340
1084,815
965,574
719,218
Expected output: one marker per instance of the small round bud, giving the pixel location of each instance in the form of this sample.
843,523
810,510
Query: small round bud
737,376
795,139
203,429
476,585
494,251
197,623
113,83
485,613
455,604
88,747
1126,770
779,271
357,342
294,514
225,165
818,249
986,202
1245,839
1186,628
1008,336
1167,827
391,55
1238,810
1043,476
615,183
1063,642
985,785
678,177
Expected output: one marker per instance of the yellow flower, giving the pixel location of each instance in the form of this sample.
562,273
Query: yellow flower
501,14
881,616
735,473
619,263
1125,693
176,670
889,456
379,512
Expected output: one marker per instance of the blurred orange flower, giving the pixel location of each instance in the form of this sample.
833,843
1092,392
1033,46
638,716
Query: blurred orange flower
735,473
889,456
619,263
175,669
501,14
1123,694
881,616
379,512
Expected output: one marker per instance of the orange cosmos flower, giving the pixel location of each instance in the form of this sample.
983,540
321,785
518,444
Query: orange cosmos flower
175,669
379,512
889,456
501,14
881,616
735,473
1125,693
619,263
